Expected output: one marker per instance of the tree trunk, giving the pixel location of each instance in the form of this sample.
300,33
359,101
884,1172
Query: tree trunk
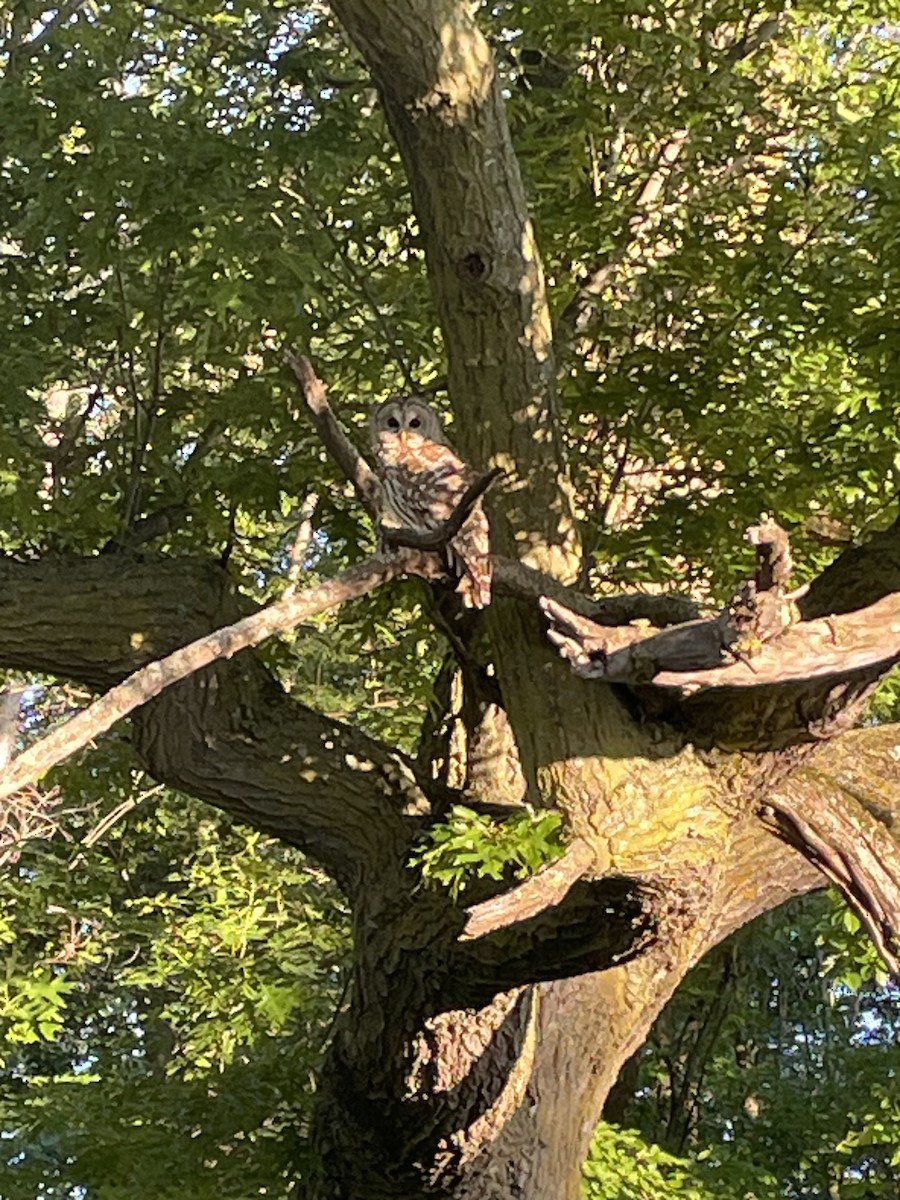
444,1074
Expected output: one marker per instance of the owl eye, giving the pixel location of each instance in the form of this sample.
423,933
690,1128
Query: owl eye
393,423
415,422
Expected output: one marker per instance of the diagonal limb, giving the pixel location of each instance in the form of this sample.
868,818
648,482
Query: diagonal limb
333,437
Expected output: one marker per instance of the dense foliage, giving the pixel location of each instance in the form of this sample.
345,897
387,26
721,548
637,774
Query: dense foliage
184,192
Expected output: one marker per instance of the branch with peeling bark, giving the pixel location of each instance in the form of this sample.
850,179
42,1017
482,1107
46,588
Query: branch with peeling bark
851,849
699,655
759,639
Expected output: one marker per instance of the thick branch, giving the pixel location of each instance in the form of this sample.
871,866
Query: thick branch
522,582
757,676
597,924
149,681
228,733
699,655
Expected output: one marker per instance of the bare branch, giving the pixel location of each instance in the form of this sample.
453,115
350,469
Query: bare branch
698,655
61,17
10,703
149,681
645,216
301,543
335,440
522,582
543,890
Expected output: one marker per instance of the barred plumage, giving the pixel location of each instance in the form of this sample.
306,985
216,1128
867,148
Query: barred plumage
422,481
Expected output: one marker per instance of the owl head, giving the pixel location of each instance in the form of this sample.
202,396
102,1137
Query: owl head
405,422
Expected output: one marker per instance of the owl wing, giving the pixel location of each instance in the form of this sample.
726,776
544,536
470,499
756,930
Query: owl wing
470,550
422,492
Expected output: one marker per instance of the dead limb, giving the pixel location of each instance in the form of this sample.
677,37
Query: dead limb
149,681
333,437
758,639
700,654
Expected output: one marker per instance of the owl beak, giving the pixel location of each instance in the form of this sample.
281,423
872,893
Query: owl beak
403,435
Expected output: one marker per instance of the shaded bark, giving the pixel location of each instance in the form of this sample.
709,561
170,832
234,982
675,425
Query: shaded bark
400,1060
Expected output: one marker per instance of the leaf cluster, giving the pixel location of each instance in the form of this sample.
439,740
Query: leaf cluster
471,846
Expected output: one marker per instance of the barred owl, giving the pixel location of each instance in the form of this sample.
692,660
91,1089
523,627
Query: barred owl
422,481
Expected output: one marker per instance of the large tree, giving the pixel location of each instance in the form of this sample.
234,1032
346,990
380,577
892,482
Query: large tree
649,256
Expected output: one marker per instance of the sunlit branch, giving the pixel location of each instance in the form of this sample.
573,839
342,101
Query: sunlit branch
279,617
335,440
149,681
546,888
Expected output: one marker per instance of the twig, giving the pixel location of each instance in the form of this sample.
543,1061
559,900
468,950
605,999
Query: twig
10,704
63,14
301,543
644,217
112,818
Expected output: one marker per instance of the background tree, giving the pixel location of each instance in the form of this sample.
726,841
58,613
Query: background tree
707,334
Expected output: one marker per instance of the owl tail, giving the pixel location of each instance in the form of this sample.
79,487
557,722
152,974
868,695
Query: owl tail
474,586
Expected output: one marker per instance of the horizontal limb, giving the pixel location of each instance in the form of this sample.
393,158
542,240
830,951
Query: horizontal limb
698,655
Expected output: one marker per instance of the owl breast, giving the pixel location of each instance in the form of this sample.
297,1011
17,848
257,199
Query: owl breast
422,481
420,498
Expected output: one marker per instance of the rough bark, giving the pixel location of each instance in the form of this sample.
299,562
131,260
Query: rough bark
633,791
423,990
